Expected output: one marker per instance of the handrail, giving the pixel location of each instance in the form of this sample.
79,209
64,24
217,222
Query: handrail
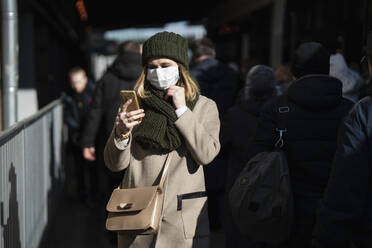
31,175
13,130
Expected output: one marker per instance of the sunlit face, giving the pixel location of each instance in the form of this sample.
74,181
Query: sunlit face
78,81
161,63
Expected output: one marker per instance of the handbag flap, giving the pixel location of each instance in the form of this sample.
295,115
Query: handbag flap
133,199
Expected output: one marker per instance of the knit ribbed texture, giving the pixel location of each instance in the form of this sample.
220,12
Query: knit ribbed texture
157,130
167,45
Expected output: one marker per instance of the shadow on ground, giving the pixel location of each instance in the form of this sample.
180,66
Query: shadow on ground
78,224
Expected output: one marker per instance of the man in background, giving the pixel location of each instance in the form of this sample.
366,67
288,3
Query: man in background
217,80
345,218
76,107
316,109
220,82
121,75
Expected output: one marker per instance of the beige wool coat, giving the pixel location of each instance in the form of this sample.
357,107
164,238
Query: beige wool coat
184,221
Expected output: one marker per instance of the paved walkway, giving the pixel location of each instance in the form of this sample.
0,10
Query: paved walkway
79,225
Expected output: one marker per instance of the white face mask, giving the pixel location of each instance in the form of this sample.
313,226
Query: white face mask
163,78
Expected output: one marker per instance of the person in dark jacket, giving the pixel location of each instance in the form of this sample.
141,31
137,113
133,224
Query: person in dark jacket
219,82
366,90
75,113
316,109
121,75
260,87
345,215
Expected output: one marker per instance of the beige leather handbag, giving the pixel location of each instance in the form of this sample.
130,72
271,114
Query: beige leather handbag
137,210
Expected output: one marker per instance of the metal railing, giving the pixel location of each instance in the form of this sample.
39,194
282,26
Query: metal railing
30,169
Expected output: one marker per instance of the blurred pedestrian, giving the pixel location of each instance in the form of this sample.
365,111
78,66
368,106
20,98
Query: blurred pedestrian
121,75
367,88
260,87
175,118
316,109
352,82
219,82
283,77
345,217
216,80
76,108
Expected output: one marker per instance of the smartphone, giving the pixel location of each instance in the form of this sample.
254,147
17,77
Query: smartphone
129,94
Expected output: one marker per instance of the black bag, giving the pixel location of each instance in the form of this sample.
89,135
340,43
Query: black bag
261,198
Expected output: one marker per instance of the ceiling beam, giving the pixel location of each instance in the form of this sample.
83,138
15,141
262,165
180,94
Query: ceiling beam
234,10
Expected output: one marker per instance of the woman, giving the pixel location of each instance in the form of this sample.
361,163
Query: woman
174,117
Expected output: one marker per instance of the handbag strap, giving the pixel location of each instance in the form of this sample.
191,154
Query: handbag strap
165,171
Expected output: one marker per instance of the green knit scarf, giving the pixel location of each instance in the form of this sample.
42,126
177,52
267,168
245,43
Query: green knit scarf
157,130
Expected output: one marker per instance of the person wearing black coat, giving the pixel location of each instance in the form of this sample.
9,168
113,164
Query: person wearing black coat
219,82
345,217
260,87
216,80
316,109
121,75
76,105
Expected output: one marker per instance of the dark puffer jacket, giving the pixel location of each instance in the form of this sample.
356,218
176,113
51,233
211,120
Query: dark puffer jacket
316,111
243,117
106,100
75,111
260,87
345,214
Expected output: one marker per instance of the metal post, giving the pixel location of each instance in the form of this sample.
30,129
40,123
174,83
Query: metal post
245,49
9,61
277,32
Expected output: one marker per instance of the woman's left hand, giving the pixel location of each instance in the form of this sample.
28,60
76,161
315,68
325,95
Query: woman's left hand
178,95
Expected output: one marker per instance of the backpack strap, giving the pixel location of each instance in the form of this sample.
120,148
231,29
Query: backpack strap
283,110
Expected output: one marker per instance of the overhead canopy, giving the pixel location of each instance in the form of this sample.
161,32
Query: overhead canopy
111,14
233,10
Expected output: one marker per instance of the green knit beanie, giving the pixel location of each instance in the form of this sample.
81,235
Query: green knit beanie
166,44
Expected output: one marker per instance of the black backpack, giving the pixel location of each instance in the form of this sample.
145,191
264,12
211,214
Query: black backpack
261,199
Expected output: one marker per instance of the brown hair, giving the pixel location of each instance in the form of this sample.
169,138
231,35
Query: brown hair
76,69
203,46
283,74
130,46
186,81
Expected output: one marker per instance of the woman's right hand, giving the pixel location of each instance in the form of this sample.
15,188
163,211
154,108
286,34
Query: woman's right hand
125,121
